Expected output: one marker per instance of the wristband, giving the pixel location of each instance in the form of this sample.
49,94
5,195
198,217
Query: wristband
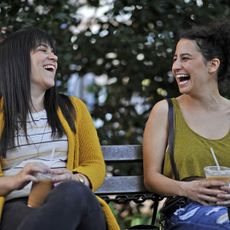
81,178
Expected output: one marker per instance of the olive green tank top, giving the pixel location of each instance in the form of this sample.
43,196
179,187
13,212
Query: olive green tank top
192,151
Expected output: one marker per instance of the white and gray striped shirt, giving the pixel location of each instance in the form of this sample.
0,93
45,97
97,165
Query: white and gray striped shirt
38,148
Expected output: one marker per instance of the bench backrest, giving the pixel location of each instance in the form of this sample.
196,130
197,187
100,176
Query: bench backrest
125,187
122,154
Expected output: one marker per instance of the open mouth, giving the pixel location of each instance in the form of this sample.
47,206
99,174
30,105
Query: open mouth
183,78
50,68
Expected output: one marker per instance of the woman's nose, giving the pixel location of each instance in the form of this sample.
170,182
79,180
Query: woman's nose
53,56
176,65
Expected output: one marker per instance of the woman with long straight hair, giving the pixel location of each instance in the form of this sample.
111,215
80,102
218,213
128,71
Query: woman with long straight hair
45,134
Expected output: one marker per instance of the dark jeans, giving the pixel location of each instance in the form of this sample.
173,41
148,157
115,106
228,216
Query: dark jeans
69,206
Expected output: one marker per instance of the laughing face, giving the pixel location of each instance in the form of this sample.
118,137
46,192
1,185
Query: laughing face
43,67
189,68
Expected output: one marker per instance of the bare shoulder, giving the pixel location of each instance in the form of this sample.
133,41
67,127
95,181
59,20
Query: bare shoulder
160,108
155,136
158,115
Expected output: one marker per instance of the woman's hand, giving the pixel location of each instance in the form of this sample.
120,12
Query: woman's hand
61,175
225,196
205,191
27,174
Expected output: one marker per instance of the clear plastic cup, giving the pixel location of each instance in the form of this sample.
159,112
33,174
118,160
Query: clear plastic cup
221,173
40,190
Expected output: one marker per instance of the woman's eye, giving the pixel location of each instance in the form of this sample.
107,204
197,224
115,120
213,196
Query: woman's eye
44,50
185,58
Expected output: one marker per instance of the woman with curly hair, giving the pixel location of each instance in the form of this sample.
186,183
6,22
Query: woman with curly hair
201,122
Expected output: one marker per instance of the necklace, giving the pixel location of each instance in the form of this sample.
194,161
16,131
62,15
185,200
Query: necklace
35,143
38,145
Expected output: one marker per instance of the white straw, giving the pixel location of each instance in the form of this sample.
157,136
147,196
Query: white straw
214,157
51,157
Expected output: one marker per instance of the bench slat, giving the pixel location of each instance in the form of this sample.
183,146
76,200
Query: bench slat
130,187
122,185
118,153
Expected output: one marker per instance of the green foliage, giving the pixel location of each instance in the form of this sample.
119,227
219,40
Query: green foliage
132,214
134,48
131,44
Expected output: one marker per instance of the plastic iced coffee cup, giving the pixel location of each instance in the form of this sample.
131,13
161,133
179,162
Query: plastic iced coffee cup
217,173
40,190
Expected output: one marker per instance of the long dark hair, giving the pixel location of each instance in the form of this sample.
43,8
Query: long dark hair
15,71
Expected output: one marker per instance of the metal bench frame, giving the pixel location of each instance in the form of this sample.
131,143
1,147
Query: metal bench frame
126,188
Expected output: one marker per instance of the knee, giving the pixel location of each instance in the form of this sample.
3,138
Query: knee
73,197
73,188
74,192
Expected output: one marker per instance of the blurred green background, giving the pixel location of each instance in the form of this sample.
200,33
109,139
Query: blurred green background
127,46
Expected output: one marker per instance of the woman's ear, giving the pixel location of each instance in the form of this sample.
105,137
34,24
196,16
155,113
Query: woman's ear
213,65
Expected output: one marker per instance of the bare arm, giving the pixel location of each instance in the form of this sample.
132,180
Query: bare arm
154,146
155,143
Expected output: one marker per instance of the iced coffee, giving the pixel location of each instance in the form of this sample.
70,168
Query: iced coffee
40,190
217,173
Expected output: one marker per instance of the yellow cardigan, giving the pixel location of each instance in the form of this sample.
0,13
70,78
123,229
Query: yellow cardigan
84,154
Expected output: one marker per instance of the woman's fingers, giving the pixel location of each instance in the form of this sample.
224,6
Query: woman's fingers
59,171
205,191
32,168
212,183
224,199
28,173
60,175
215,192
225,196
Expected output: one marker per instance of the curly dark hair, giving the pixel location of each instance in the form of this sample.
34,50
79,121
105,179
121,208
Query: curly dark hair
214,42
